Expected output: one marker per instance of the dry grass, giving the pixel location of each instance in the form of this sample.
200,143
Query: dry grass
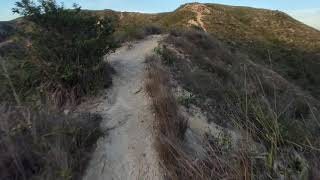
176,160
171,127
279,123
171,123
43,145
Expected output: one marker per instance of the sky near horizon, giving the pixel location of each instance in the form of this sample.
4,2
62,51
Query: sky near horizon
307,11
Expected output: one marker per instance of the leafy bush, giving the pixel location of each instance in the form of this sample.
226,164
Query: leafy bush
63,61
65,49
6,30
152,29
135,32
168,57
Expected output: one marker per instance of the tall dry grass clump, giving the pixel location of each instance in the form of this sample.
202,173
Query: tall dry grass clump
176,160
44,145
170,126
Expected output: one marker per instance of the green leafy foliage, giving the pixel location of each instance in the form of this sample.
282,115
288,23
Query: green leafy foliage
136,32
64,54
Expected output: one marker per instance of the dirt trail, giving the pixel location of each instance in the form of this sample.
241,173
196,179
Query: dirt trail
201,11
127,151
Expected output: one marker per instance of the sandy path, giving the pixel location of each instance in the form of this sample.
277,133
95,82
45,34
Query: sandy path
201,11
199,20
127,152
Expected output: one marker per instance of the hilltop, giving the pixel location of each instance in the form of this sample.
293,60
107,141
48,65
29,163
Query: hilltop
235,24
245,24
266,36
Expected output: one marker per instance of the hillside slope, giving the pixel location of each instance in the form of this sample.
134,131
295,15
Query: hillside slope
270,38
244,120
258,77
230,22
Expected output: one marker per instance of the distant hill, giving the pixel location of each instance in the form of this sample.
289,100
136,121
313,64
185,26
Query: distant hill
232,23
266,36
243,24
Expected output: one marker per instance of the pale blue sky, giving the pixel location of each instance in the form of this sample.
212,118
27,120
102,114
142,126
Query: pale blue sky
307,11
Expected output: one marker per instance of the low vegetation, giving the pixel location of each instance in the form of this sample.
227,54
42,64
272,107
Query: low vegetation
136,32
45,145
6,30
258,33
171,126
177,162
63,54
277,121
53,60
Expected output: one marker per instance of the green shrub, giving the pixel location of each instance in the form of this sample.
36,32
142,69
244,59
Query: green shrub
129,33
135,32
186,100
66,49
168,56
6,30
152,29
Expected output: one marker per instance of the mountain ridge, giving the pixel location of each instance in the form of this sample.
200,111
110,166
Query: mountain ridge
230,22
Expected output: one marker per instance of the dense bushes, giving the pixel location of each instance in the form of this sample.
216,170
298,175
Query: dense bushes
152,29
133,32
64,54
5,31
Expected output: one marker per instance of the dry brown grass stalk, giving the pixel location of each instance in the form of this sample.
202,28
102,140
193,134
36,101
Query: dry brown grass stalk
45,145
171,127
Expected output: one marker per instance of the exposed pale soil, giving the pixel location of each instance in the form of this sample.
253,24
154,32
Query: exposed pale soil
127,151
201,11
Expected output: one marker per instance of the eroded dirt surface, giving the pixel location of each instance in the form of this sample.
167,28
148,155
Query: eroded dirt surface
201,11
127,151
